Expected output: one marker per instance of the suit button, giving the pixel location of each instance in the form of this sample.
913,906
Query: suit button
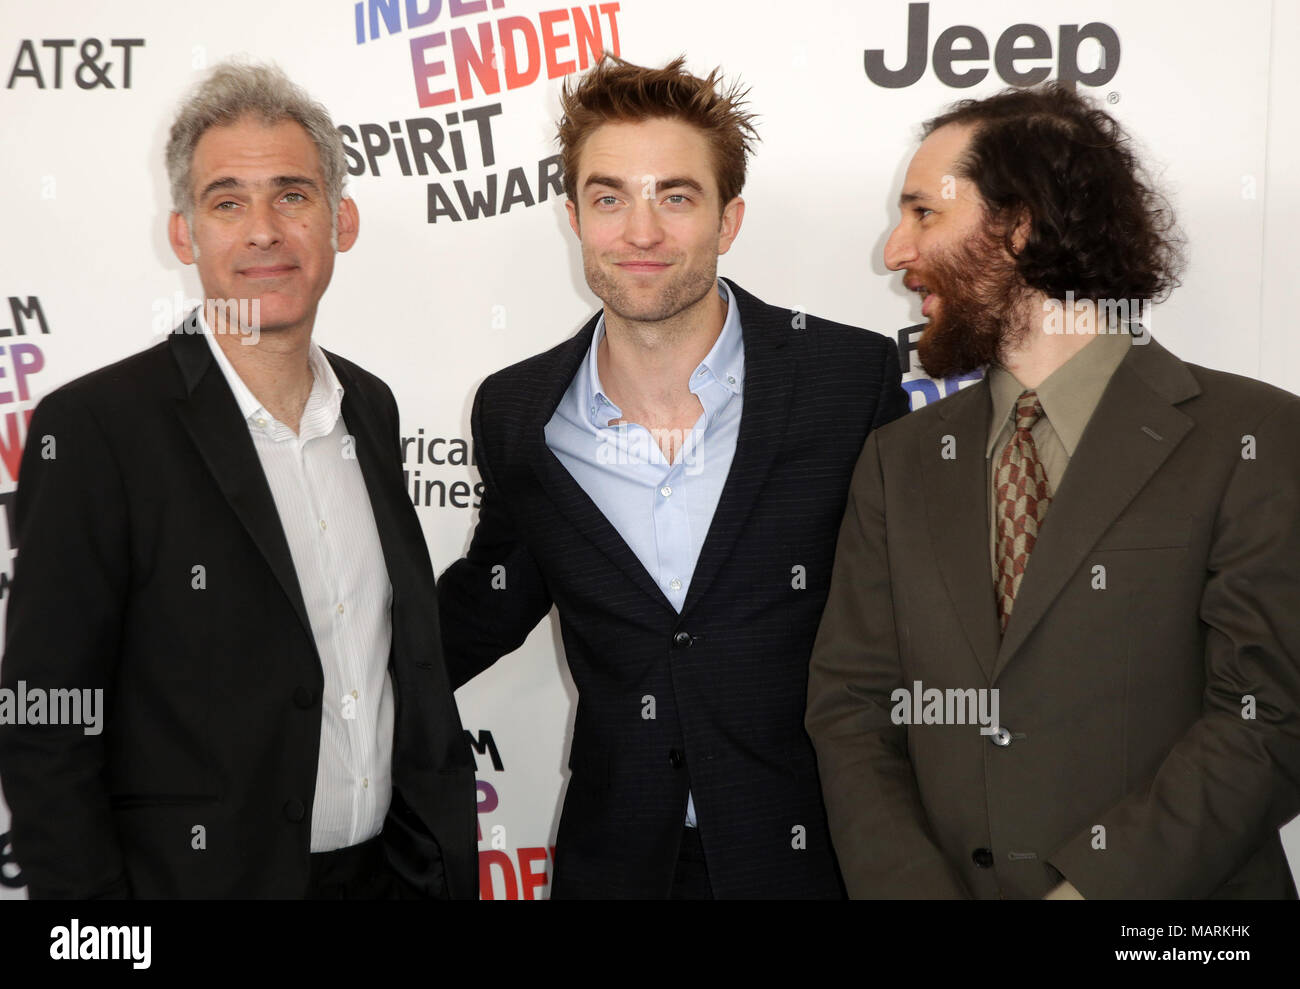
675,758
1002,736
302,697
682,639
982,857
294,810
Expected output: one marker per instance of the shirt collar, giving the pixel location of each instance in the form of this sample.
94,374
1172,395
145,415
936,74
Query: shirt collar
326,388
724,366
1069,395
725,362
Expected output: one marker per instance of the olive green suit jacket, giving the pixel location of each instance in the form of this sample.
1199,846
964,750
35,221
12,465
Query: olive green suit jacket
1149,678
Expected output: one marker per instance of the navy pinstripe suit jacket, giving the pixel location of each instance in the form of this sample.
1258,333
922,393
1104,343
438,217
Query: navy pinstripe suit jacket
728,675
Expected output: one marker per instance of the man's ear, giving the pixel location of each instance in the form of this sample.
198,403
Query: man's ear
1021,231
573,217
733,214
349,223
178,234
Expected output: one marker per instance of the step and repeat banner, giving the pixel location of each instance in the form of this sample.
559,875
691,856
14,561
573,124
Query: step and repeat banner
466,263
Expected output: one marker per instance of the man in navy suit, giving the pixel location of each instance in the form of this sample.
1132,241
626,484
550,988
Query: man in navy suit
672,480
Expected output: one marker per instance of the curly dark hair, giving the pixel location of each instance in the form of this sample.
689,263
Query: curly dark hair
1098,227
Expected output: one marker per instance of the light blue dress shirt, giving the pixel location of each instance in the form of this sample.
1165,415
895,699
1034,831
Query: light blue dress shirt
662,510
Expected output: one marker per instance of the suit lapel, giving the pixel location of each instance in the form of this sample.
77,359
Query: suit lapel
388,501
209,413
769,385
770,372
566,493
1131,434
957,513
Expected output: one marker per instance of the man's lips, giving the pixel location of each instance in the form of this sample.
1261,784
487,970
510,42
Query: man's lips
920,288
643,267
268,271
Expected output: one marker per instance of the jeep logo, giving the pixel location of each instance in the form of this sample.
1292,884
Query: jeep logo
1018,44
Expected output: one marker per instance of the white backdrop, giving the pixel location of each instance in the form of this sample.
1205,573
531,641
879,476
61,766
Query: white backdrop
1209,89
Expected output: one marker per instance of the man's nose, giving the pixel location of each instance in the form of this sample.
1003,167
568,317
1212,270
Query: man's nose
643,227
900,249
264,225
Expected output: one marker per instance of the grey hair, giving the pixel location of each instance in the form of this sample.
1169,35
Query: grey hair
234,90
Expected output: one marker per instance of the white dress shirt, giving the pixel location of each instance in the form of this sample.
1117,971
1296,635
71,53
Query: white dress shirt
324,508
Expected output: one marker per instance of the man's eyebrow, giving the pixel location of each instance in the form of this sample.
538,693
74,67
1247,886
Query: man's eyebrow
908,198
681,182
279,182
227,183
606,180
675,182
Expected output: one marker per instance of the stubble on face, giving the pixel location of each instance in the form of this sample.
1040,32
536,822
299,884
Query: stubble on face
685,287
981,311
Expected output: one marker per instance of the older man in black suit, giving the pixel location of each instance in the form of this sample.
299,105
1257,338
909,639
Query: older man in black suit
217,536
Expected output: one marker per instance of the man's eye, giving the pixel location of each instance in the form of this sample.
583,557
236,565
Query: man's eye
295,197
224,203
922,211
606,201
677,199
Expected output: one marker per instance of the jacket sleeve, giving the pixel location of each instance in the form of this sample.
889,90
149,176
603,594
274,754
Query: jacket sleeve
878,824
491,599
63,631
893,402
1234,777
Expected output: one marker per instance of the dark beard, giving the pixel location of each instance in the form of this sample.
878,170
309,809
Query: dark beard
979,290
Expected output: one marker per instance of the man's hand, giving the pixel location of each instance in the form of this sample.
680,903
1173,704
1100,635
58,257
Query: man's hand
1064,891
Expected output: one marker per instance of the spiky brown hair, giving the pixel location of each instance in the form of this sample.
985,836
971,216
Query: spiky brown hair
616,91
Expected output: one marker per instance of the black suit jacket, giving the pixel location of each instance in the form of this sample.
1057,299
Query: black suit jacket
728,675
213,692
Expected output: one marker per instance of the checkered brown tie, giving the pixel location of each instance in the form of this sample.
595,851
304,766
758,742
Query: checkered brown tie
1023,498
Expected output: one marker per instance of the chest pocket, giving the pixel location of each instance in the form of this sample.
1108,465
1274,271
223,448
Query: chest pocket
1147,532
